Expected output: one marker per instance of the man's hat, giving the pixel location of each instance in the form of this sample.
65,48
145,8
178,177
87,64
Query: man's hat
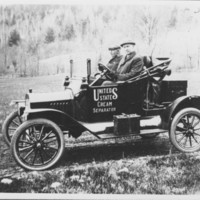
114,47
127,42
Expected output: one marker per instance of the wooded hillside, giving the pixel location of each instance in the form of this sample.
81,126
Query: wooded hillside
32,35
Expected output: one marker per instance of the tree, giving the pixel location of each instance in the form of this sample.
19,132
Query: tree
14,38
173,19
68,33
50,35
148,27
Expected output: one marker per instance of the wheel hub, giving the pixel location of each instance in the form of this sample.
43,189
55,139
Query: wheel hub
38,145
190,131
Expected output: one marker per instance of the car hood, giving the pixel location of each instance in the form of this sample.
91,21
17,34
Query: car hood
66,94
49,97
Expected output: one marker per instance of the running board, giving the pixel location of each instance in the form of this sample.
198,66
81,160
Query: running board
96,127
150,131
142,132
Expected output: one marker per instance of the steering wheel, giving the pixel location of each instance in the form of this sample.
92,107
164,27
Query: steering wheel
106,71
103,67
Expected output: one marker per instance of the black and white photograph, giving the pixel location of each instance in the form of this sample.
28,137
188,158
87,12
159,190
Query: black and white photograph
99,99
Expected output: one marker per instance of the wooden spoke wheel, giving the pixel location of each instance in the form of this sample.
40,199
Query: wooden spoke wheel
37,144
11,123
185,130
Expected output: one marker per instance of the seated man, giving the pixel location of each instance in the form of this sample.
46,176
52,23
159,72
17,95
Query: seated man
129,66
115,52
116,57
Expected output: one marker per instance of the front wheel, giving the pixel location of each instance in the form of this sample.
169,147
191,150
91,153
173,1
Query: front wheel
11,123
37,144
185,130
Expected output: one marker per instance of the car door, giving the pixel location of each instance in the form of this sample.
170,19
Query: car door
105,101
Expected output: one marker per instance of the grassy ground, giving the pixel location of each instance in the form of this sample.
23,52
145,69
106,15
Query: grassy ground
123,167
175,174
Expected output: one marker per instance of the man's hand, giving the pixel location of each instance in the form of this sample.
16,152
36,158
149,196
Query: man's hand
112,75
101,67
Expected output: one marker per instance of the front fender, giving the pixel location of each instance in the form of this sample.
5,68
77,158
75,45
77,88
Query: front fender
176,106
20,106
63,120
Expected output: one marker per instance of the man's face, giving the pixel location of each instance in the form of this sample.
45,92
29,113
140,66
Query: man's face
129,48
114,53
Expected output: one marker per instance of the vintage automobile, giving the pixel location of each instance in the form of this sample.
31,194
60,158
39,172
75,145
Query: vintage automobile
112,111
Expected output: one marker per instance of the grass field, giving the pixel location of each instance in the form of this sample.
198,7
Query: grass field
139,168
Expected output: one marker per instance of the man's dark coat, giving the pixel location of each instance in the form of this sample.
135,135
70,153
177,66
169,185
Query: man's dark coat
129,66
114,62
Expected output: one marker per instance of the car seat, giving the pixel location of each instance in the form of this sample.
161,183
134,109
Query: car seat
152,86
147,60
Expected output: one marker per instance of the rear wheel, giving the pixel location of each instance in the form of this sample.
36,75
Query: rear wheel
185,130
37,144
10,125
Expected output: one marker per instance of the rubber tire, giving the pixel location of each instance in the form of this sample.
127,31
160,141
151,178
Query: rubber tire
21,128
6,124
175,120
